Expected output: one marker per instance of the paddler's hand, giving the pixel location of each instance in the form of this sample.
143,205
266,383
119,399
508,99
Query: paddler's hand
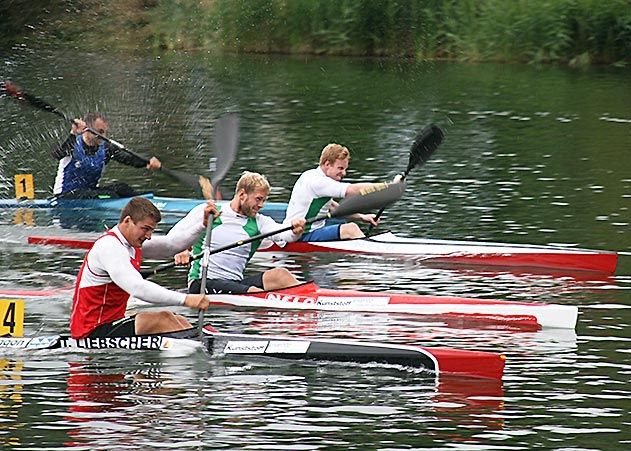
154,164
298,226
397,178
183,258
211,209
369,219
78,127
196,301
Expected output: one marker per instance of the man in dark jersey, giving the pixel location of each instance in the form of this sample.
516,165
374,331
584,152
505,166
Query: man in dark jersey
82,159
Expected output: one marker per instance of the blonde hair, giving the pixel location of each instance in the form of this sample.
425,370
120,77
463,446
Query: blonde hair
252,181
333,152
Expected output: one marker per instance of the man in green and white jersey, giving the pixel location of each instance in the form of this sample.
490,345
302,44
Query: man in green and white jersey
240,219
314,191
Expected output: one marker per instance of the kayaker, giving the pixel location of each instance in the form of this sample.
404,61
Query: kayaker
110,274
82,159
314,191
240,219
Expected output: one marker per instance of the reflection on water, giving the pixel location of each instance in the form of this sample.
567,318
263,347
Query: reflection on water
11,400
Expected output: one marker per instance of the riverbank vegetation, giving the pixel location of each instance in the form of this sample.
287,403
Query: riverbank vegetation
575,32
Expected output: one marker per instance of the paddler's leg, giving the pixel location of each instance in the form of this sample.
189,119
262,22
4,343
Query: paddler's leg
278,278
157,322
350,230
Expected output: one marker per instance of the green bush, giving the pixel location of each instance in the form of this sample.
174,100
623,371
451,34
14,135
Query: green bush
533,31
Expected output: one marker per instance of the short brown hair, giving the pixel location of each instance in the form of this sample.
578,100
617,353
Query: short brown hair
90,118
140,208
333,152
252,181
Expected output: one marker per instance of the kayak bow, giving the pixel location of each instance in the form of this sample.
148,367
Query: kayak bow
435,360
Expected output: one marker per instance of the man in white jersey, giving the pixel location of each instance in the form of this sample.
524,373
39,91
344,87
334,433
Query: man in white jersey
110,274
240,219
314,191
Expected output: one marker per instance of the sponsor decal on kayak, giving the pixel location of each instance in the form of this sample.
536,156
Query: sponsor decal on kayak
14,342
159,205
329,301
267,347
29,342
287,347
153,342
245,347
43,342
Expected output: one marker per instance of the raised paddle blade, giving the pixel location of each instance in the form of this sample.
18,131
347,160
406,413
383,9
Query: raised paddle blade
381,195
424,146
22,96
225,145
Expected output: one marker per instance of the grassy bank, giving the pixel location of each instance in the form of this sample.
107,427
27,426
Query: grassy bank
568,31
575,32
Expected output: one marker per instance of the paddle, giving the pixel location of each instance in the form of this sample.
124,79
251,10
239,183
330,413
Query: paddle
422,148
198,182
377,198
225,144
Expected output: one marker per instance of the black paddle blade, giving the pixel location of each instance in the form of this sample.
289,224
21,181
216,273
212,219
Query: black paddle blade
225,144
373,200
424,146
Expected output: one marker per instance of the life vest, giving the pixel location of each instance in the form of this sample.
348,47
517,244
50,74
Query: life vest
98,303
83,171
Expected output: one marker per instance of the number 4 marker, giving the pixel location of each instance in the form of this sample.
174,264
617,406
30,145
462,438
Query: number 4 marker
12,317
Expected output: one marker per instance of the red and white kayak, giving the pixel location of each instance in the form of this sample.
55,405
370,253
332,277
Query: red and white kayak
466,252
435,360
309,296
433,251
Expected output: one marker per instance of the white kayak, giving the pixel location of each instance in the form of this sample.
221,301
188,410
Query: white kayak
309,296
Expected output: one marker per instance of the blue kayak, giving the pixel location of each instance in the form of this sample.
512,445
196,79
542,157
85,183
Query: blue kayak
167,205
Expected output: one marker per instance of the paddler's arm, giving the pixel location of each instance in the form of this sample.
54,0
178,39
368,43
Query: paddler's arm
65,148
109,256
132,160
182,235
368,218
130,280
354,189
267,224
359,188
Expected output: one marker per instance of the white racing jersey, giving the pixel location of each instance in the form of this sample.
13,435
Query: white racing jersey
229,228
312,195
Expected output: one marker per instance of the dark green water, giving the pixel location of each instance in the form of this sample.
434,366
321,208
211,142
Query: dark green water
532,155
